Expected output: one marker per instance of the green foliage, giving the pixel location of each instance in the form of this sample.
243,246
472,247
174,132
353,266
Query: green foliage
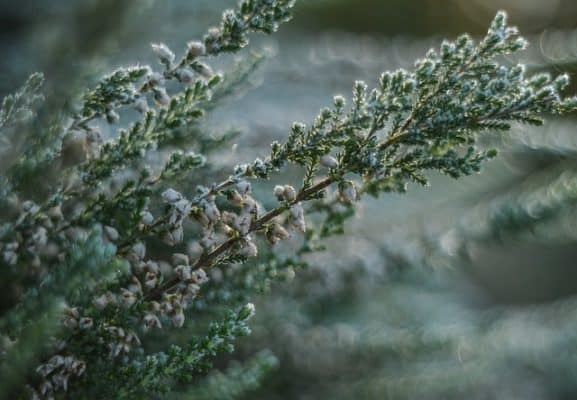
237,380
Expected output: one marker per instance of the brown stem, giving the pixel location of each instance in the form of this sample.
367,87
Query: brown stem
207,259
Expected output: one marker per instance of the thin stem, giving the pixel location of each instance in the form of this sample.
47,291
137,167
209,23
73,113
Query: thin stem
208,259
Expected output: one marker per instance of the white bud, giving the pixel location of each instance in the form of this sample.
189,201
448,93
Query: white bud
279,232
329,161
210,210
135,286
174,236
171,196
242,223
10,257
102,301
78,367
191,290
150,280
279,192
183,206
163,52
85,323
55,213
111,233
184,272
199,276
141,105
185,75
276,233
180,259
207,240
204,70
161,96
196,49
146,218
30,207
290,193
112,117
243,187
156,79
151,266
348,191
127,298
249,250
298,217
235,198
139,251
151,321
178,318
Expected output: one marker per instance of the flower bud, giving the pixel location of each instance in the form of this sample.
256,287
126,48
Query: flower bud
102,301
185,75
204,70
199,276
55,213
297,219
161,97
146,218
183,272
171,196
139,251
329,161
151,321
111,233
112,117
290,193
249,249
243,187
178,318
235,198
127,298
141,105
180,259
156,79
279,192
348,191
150,280
173,236
85,323
195,49
165,55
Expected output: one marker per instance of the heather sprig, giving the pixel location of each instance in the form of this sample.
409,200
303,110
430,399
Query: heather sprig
426,119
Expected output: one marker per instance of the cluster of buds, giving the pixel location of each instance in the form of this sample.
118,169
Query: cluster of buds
164,54
56,373
285,193
10,253
276,232
71,319
120,341
179,209
104,300
297,217
34,243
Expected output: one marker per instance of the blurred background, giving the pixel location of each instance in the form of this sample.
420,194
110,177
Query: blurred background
462,290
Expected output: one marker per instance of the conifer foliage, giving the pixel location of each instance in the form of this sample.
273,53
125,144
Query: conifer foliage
101,273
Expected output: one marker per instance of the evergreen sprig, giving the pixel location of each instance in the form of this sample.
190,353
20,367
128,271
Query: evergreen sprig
412,122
